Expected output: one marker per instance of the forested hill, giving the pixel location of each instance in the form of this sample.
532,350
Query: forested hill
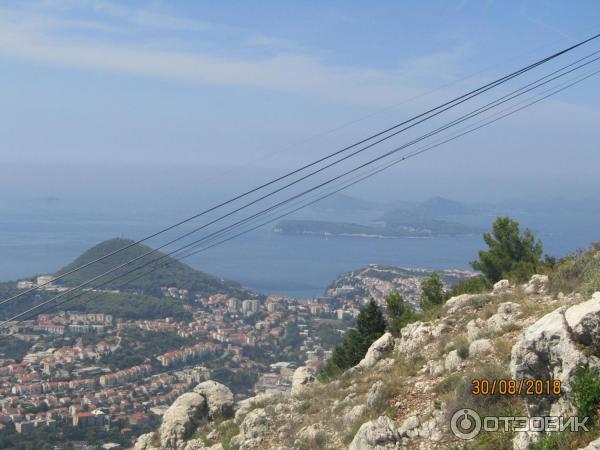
169,272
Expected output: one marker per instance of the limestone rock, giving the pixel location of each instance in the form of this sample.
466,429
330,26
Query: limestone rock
480,347
378,434
475,327
538,284
248,404
181,420
453,361
219,398
507,314
376,351
435,368
550,349
413,336
584,321
409,424
303,377
255,424
594,445
375,394
354,414
501,286
145,442
458,302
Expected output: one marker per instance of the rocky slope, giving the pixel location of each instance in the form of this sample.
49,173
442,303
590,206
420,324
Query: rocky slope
406,389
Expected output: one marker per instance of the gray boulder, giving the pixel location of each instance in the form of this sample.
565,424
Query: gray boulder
378,434
145,442
501,286
453,361
538,284
302,378
551,348
376,351
375,394
595,445
255,424
219,399
181,420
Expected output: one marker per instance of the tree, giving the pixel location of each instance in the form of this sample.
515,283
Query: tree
511,254
370,322
370,325
432,292
399,312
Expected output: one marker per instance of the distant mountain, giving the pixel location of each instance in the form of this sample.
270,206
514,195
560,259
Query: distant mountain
170,272
346,203
433,207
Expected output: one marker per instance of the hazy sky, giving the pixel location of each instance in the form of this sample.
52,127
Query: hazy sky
91,88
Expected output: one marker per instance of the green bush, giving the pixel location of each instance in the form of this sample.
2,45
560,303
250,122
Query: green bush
474,285
586,391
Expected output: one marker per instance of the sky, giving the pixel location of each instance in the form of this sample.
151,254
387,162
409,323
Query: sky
106,99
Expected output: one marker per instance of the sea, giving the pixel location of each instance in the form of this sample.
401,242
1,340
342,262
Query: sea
39,238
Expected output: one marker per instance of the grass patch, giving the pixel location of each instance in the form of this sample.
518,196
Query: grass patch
578,273
448,384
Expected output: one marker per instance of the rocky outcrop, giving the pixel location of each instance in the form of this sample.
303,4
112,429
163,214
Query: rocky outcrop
181,419
146,442
501,286
378,434
481,347
375,394
219,399
254,424
413,336
551,348
376,351
208,401
538,284
507,314
248,404
302,378
453,361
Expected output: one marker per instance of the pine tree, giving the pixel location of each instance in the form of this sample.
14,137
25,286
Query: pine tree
511,254
399,312
370,322
432,292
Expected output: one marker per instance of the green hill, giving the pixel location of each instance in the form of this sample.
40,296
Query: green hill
170,272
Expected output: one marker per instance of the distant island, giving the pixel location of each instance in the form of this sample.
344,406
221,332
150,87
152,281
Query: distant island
398,220
417,229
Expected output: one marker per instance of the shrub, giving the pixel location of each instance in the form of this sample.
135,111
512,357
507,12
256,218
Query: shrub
462,347
475,285
586,391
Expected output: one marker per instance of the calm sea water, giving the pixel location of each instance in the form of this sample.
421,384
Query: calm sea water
43,240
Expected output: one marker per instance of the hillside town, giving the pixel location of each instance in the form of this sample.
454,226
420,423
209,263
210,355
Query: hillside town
75,369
